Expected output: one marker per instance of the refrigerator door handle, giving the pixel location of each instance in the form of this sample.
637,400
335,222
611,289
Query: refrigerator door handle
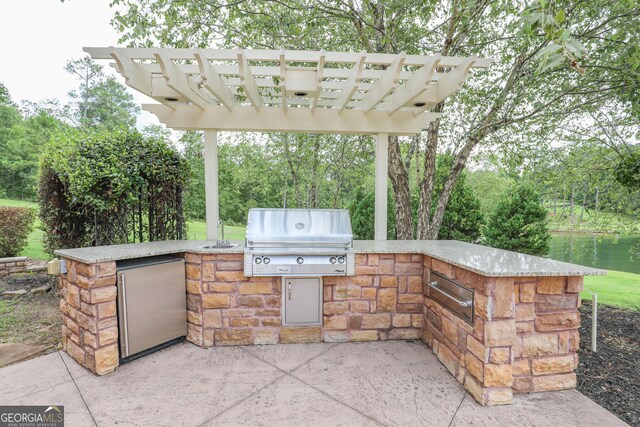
125,329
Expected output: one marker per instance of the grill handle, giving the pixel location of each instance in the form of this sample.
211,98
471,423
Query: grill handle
434,285
297,243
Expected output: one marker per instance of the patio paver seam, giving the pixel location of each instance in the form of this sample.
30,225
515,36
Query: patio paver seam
79,392
335,399
464,396
290,373
250,395
292,369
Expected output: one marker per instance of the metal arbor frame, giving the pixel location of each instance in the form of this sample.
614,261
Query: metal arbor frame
291,91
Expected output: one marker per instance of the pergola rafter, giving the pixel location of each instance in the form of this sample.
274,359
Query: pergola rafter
291,91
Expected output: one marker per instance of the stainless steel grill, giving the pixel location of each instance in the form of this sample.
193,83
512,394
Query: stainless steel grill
299,242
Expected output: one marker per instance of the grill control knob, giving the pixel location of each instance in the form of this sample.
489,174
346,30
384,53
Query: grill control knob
341,259
266,260
299,260
332,260
258,261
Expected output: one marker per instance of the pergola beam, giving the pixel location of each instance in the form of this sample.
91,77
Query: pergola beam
385,85
178,81
351,85
412,87
248,81
212,81
272,55
322,120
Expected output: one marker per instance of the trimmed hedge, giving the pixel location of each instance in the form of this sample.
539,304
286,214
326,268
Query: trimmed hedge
15,225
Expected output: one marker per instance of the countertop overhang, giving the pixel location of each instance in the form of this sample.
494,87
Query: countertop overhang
479,259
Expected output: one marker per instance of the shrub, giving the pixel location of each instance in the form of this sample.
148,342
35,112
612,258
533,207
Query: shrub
463,218
362,211
519,223
105,187
15,226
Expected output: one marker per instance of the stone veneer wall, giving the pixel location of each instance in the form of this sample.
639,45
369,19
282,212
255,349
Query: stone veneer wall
88,306
524,336
382,301
13,265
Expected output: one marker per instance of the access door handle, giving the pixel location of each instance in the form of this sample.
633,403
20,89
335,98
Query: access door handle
289,291
125,328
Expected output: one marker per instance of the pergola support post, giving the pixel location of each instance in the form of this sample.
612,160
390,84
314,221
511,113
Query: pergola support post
211,182
382,171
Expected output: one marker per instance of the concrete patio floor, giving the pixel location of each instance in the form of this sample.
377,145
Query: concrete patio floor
393,383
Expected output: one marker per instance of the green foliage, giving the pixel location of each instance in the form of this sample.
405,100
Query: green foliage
362,210
15,225
627,172
100,101
105,187
488,186
315,171
519,223
20,142
463,218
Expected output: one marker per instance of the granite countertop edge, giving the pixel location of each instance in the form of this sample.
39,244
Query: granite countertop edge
449,251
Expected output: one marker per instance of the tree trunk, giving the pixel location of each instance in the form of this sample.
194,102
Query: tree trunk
428,178
584,203
555,202
400,182
596,207
571,203
292,170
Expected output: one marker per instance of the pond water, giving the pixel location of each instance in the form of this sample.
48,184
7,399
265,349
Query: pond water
601,251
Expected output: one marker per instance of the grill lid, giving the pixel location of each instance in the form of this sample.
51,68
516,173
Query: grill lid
299,228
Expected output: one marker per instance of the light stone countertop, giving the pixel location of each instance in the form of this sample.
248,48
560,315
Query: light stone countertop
479,259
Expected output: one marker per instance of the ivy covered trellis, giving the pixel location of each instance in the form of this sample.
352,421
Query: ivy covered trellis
110,187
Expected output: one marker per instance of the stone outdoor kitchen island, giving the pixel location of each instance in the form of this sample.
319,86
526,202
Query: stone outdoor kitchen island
523,336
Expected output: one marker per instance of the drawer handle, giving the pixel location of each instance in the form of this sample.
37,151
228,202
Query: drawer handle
434,285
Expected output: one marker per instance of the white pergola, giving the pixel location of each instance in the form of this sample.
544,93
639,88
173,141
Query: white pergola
291,91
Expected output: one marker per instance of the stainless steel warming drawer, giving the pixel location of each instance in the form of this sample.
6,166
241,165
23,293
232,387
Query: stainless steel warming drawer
152,306
452,295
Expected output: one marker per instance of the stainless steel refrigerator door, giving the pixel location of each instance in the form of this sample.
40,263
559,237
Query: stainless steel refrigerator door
152,306
302,301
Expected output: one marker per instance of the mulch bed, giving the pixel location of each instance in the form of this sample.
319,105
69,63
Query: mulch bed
611,376
32,319
27,282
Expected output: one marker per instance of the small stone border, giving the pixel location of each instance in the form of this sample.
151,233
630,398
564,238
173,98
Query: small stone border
13,265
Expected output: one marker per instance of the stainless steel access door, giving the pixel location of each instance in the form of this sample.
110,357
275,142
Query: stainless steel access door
301,301
152,306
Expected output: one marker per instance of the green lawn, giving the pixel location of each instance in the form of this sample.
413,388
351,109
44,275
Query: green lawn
616,288
196,230
605,222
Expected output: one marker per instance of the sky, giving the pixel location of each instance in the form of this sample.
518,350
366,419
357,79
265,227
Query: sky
37,37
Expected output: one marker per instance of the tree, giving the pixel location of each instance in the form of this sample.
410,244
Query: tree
534,85
21,139
519,223
362,210
463,218
100,100
5,98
